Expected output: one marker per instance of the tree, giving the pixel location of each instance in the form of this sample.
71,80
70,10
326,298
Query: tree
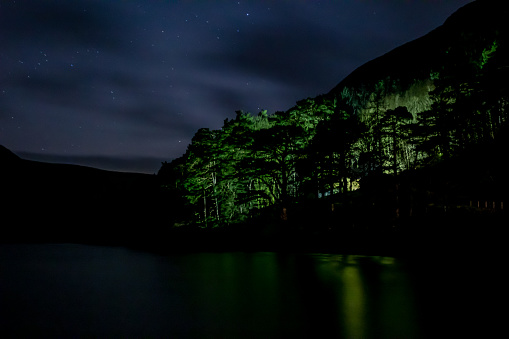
201,179
393,126
331,149
273,161
462,111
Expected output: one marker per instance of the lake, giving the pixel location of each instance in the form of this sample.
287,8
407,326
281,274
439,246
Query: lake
68,290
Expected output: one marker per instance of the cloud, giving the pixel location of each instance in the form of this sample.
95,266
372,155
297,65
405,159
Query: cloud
74,23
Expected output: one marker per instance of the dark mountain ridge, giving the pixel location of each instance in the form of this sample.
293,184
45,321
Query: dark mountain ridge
70,202
6,156
88,178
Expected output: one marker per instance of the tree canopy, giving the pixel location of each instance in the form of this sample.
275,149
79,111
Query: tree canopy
327,145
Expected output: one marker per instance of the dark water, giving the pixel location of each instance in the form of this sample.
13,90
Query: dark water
75,290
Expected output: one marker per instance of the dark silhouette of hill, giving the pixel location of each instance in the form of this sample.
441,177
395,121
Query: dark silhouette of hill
7,156
61,202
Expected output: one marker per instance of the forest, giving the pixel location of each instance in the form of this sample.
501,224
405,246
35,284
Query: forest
387,122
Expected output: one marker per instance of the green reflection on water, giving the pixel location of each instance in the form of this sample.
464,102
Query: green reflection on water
353,303
373,295
299,295
234,293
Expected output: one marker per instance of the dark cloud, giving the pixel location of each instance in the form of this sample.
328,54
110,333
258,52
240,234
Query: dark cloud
284,54
52,22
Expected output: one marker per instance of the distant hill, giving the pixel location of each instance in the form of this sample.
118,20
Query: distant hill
56,175
6,156
61,202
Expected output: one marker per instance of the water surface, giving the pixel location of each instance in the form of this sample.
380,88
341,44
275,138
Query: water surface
63,290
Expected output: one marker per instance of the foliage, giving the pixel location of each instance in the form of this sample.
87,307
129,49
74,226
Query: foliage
326,145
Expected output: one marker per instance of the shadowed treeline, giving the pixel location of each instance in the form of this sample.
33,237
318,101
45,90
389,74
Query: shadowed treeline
63,203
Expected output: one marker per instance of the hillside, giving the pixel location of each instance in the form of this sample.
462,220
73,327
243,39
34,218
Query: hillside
409,71
7,157
60,202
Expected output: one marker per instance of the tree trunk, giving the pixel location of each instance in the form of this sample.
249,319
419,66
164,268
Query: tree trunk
205,208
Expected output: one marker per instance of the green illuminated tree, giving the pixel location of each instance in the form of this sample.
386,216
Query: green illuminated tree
394,128
202,175
463,112
275,153
331,150
243,190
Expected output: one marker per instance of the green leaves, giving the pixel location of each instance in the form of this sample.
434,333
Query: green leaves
325,145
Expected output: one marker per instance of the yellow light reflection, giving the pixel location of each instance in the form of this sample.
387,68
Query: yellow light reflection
353,303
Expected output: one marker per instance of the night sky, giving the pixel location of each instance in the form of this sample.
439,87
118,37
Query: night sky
124,85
